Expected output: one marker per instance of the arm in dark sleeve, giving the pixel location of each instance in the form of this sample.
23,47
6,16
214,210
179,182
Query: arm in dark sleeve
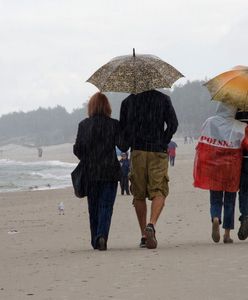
171,122
77,146
120,140
124,128
123,116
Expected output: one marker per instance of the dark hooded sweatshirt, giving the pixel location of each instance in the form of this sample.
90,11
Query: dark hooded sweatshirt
148,121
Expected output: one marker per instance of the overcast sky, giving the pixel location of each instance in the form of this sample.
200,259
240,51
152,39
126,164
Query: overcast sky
49,48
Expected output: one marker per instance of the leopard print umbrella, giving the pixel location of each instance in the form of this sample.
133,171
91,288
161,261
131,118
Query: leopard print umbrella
134,74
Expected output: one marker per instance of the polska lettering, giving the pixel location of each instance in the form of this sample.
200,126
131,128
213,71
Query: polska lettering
212,141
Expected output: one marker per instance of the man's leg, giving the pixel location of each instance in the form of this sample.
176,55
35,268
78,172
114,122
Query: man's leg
243,201
141,212
156,208
138,179
243,208
243,193
157,189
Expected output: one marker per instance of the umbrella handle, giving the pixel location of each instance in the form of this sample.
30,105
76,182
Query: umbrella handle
133,52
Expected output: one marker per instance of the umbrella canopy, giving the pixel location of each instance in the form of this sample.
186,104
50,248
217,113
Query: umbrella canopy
172,144
134,74
231,87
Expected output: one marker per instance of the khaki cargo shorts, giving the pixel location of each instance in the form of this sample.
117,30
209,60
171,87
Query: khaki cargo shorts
148,174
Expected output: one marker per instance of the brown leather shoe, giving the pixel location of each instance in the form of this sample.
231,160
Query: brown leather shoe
216,230
151,242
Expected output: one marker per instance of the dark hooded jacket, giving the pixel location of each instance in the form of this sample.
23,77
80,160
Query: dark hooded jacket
148,121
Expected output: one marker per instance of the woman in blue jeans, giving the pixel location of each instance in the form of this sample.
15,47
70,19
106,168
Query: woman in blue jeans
97,137
218,199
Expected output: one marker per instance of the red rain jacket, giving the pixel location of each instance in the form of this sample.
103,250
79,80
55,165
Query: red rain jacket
218,157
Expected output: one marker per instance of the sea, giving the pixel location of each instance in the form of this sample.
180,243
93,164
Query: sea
31,176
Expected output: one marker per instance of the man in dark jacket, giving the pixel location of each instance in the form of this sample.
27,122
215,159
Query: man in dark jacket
243,192
143,119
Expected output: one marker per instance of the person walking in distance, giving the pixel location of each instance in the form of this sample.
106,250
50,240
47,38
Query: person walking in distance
172,152
142,121
124,182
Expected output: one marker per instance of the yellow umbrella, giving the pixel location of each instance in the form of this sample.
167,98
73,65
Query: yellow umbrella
231,87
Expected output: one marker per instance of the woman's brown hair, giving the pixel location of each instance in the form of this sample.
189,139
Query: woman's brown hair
99,105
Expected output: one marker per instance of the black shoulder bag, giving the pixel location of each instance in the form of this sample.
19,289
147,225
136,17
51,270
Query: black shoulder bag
79,180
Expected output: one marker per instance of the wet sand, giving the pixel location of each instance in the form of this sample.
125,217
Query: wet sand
50,256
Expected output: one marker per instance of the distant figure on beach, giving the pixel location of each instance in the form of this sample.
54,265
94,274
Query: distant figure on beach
40,152
172,152
142,120
124,182
243,190
61,208
185,140
217,165
191,140
97,137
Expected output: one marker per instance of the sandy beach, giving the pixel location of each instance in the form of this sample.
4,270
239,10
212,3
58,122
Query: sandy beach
46,256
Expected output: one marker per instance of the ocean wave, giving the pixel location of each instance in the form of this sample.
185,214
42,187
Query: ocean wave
53,163
51,176
8,185
24,176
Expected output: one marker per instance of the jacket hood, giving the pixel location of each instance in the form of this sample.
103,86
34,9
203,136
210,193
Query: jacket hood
226,110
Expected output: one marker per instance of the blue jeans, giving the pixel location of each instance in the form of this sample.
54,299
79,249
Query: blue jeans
172,160
101,198
243,192
217,199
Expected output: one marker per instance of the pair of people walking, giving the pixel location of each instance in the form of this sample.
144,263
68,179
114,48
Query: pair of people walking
142,121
